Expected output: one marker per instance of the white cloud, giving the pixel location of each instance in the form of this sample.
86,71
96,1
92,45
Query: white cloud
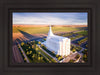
53,20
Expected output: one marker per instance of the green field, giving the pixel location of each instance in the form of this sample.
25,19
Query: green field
84,33
43,30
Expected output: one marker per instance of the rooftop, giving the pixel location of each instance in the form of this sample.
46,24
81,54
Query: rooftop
55,37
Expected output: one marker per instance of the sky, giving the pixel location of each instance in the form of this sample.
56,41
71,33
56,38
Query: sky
35,18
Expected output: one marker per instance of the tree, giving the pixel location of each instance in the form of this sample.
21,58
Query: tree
32,46
57,55
65,56
39,53
39,42
85,57
59,58
44,39
24,59
21,51
71,61
36,42
53,60
36,48
26,49
77,56
22,43
42,45
73,50
29,47
33,55
39,58
53,52
35,45
27,53
30,52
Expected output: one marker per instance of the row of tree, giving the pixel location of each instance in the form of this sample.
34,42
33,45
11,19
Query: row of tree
82,41
51,52
33,54
85,55
75,48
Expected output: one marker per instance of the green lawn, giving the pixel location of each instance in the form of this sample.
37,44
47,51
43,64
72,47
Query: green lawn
42,30
84,33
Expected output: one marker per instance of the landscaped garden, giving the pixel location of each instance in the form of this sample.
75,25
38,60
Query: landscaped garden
36,55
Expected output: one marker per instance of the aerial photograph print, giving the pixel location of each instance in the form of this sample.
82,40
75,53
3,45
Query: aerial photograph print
49,37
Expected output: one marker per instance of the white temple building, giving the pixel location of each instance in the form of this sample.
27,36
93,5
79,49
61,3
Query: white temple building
60,45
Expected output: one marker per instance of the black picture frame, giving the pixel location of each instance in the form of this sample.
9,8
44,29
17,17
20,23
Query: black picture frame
48,6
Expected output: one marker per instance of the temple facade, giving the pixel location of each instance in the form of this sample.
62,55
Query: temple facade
60,45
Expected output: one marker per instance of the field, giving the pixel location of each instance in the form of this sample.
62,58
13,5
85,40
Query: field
27,33
43,29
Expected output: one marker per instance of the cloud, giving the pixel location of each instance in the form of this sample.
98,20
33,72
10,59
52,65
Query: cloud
50,18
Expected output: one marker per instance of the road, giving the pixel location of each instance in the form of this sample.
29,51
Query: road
78,39
16,55
80,50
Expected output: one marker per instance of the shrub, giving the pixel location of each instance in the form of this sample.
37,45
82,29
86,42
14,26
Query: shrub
77,56
85,57
73,50
71,61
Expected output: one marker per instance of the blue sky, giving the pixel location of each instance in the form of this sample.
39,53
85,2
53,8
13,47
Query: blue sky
70,18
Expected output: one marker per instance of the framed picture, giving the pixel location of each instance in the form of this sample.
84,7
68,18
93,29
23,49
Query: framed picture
36,42
44,39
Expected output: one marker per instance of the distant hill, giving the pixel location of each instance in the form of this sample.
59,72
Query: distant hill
48,25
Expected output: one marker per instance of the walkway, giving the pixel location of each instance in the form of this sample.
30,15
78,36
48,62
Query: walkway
48,53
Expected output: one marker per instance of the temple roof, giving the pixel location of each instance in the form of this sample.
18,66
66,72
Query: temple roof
55,37
50,32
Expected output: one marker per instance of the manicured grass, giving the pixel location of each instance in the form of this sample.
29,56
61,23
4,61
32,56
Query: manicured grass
84,33
50,58
73,38
42,30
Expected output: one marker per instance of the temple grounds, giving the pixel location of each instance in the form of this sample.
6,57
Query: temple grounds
30,38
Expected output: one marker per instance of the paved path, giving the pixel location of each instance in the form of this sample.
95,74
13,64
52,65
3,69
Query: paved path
81,50
77,45
44,55
48,53
77,39
71,56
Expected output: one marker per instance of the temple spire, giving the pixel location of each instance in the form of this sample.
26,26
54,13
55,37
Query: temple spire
50,32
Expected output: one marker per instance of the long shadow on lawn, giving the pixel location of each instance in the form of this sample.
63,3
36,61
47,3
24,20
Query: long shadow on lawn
29,36
82,28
